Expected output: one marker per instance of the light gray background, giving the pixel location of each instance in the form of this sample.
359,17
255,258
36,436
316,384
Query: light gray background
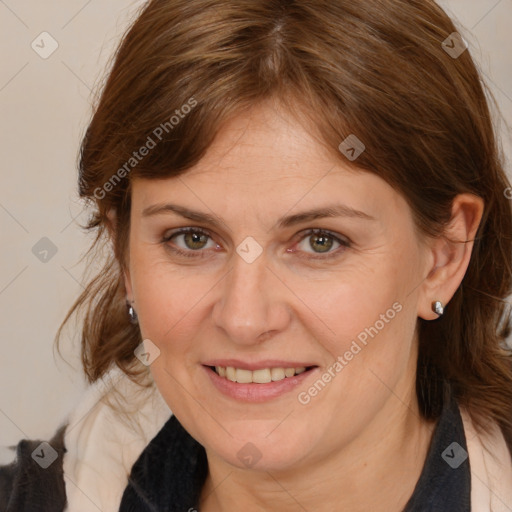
45,107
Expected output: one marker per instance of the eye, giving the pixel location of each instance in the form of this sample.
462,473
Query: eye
194,240
321,242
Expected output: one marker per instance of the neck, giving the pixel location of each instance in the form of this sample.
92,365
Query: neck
377,471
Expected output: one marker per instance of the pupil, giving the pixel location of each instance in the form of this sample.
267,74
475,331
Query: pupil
196,239
323,245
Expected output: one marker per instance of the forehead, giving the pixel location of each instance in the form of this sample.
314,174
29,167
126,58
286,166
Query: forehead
265,142
264,159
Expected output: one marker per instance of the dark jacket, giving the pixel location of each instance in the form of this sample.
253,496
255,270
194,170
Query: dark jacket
171,470
27,484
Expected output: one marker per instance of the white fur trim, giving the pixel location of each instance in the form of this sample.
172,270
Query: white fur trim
491,468
102,445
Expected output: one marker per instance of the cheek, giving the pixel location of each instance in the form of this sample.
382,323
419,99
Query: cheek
171,313
366,324
369,330
168,301
352,303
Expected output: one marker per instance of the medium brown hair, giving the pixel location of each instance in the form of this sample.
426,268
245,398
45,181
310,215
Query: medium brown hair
373,68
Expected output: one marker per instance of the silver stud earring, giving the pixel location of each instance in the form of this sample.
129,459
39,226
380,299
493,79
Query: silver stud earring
437,307
132,313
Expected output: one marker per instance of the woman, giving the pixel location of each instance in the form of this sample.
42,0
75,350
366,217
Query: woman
311,256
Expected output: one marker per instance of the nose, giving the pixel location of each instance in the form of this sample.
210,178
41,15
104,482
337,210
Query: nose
251,307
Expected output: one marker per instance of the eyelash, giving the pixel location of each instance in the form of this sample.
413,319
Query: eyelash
199,253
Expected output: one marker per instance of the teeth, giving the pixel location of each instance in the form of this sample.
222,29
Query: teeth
231,374
277,373
262,376
289,372
243,376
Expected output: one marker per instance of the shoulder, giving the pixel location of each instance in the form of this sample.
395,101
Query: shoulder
35,476
86,465
491,467
113,423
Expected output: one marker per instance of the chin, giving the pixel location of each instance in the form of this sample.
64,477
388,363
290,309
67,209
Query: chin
261,451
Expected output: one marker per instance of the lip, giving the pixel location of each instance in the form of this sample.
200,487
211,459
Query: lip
258,365
253,392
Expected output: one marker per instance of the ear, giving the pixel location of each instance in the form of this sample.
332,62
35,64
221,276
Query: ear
449,254
111,225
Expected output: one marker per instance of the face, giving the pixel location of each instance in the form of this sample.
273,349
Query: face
259,285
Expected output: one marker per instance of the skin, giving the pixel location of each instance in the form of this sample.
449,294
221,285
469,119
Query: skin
364,426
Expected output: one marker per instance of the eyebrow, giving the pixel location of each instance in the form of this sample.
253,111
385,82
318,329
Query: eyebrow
337,210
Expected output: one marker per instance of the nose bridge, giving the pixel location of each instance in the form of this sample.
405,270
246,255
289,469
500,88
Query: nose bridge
248,305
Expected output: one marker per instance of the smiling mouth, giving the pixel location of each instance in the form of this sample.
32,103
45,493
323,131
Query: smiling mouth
261,376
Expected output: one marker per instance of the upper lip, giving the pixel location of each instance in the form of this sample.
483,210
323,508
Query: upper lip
257,365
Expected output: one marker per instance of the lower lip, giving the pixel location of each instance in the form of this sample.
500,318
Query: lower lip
254,392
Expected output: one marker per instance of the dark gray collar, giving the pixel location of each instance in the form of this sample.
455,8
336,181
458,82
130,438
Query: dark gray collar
445,482
170,472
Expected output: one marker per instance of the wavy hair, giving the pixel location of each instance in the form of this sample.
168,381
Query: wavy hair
374,68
